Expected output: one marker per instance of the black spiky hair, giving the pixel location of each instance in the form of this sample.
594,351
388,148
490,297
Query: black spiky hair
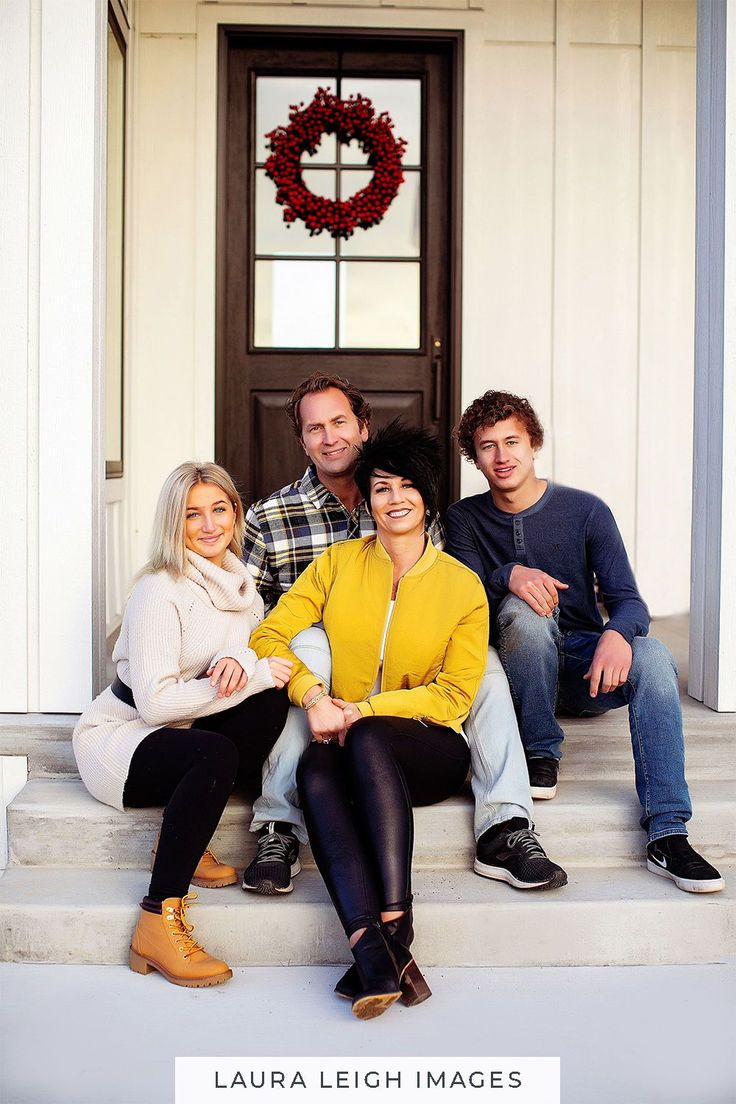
399,449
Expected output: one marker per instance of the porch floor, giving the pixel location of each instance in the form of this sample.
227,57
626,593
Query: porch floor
625,1035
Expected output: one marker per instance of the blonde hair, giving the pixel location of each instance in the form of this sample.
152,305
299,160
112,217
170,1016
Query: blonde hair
168,546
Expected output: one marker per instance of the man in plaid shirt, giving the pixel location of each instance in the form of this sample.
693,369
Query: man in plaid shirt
283,534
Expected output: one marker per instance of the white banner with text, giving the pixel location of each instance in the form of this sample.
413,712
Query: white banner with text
409,1080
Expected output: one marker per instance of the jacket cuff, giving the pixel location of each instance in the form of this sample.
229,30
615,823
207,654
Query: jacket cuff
365,708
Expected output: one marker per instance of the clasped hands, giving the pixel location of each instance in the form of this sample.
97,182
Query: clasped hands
330,718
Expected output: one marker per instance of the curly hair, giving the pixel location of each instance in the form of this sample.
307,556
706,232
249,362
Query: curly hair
402,450
496,406
320,382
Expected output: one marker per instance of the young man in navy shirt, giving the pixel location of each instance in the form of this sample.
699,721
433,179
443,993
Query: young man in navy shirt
539,549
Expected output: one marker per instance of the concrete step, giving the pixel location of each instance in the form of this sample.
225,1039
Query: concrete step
44,738
597,747
603,917
56,822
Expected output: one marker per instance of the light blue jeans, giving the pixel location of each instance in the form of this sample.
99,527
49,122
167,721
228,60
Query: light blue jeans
499,776
279,799
545,667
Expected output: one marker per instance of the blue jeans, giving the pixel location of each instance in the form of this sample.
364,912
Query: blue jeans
279,799
545,668
499,777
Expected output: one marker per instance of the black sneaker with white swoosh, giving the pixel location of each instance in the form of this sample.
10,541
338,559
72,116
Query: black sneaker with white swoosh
672,857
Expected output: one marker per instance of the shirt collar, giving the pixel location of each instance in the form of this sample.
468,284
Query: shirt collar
313,489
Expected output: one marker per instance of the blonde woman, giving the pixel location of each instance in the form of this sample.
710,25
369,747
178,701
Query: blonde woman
190,712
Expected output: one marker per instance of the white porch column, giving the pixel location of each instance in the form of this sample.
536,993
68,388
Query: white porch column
51,383
713,594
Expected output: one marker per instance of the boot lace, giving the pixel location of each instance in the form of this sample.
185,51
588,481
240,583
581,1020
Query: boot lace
180,928
526,840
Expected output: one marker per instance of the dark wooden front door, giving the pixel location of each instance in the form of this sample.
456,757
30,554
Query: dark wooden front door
381,307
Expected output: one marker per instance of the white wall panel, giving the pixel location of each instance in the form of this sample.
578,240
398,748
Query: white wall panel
161,360
596,275
70,347
507,317
667,298
15,213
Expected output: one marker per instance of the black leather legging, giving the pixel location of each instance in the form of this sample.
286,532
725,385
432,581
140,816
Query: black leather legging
192,772
357,804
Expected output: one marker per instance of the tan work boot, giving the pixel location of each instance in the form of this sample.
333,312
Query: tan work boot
164,942
210,872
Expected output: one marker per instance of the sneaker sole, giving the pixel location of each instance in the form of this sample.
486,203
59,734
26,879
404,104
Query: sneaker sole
689,885
500,874
543,793
267,887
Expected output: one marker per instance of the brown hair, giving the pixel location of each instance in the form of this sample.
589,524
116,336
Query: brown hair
496,406
319,382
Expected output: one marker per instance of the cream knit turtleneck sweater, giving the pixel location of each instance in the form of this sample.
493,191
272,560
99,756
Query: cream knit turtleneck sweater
173,631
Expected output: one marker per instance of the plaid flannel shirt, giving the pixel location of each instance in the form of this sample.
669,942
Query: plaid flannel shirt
290,528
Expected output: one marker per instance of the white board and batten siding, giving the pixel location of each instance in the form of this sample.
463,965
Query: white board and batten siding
578,251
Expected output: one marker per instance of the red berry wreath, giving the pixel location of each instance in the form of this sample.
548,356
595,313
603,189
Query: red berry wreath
354,118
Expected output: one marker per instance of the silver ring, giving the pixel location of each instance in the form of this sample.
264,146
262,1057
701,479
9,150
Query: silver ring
328,740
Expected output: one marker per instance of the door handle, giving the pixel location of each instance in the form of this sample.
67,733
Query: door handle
437,377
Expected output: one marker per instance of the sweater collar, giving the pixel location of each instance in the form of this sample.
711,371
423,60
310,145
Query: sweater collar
425,561
230,588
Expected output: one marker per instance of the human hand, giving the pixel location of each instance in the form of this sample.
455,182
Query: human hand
280,670
228,676
536,588
350,712
326,721
611,663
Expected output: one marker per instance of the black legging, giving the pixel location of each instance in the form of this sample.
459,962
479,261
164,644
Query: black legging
357,804
192,772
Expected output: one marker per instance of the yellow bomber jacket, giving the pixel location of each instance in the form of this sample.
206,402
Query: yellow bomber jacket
437,641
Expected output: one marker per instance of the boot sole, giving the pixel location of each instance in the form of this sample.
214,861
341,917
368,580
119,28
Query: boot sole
367,1008
499,874
712,885
414,987
141,965
208,883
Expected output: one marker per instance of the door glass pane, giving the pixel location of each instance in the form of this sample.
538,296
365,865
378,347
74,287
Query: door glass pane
295,304
403,101
274,97
379,305
275,236
397,234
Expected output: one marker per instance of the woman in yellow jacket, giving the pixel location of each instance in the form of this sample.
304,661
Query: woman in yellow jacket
408,630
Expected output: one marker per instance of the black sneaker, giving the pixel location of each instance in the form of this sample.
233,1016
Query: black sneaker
276,861
542,776
673,857
510,852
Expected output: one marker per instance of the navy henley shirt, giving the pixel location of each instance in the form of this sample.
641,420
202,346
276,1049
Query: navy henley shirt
571,535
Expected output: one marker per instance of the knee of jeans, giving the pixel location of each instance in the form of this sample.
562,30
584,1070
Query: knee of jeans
312,647
652,661
520,626
364,735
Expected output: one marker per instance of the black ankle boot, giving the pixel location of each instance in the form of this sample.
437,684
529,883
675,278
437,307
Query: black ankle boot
378,978
399,934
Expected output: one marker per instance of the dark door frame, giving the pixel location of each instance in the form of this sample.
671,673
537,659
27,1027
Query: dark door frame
453,41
